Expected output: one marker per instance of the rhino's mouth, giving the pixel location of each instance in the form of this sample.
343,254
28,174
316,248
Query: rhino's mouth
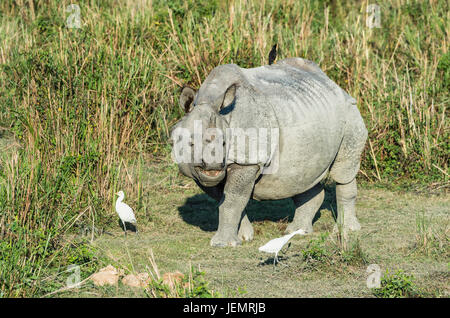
209,173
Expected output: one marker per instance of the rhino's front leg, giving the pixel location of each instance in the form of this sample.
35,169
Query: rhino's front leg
237,192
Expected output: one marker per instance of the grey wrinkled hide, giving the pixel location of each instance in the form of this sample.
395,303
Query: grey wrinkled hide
320,132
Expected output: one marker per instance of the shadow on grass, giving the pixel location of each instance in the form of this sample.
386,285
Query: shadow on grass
270,261
130,226
202,211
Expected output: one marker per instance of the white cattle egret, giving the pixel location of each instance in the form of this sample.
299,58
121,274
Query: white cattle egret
125,212
275,245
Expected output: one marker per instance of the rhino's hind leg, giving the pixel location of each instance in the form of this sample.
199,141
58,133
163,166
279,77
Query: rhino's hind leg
345,169
345,199
306,206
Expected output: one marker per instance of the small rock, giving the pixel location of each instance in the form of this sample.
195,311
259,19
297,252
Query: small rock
106,276
139,280
131,280
145,278
171,279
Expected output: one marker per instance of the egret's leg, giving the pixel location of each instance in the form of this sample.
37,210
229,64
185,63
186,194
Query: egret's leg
125,228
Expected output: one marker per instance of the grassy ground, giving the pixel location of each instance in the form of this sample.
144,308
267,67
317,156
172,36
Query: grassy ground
84,111
177,221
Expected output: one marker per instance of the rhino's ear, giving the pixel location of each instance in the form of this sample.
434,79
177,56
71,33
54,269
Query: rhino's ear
228,97
187,98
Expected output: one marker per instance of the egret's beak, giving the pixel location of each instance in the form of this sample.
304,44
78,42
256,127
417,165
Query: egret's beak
117,193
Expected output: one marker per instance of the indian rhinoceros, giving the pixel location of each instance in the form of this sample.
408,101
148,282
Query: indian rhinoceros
310,126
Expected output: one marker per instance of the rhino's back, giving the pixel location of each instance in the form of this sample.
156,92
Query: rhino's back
310,114
298,94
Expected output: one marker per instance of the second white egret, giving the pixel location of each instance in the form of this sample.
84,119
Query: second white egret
126,213
275,245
